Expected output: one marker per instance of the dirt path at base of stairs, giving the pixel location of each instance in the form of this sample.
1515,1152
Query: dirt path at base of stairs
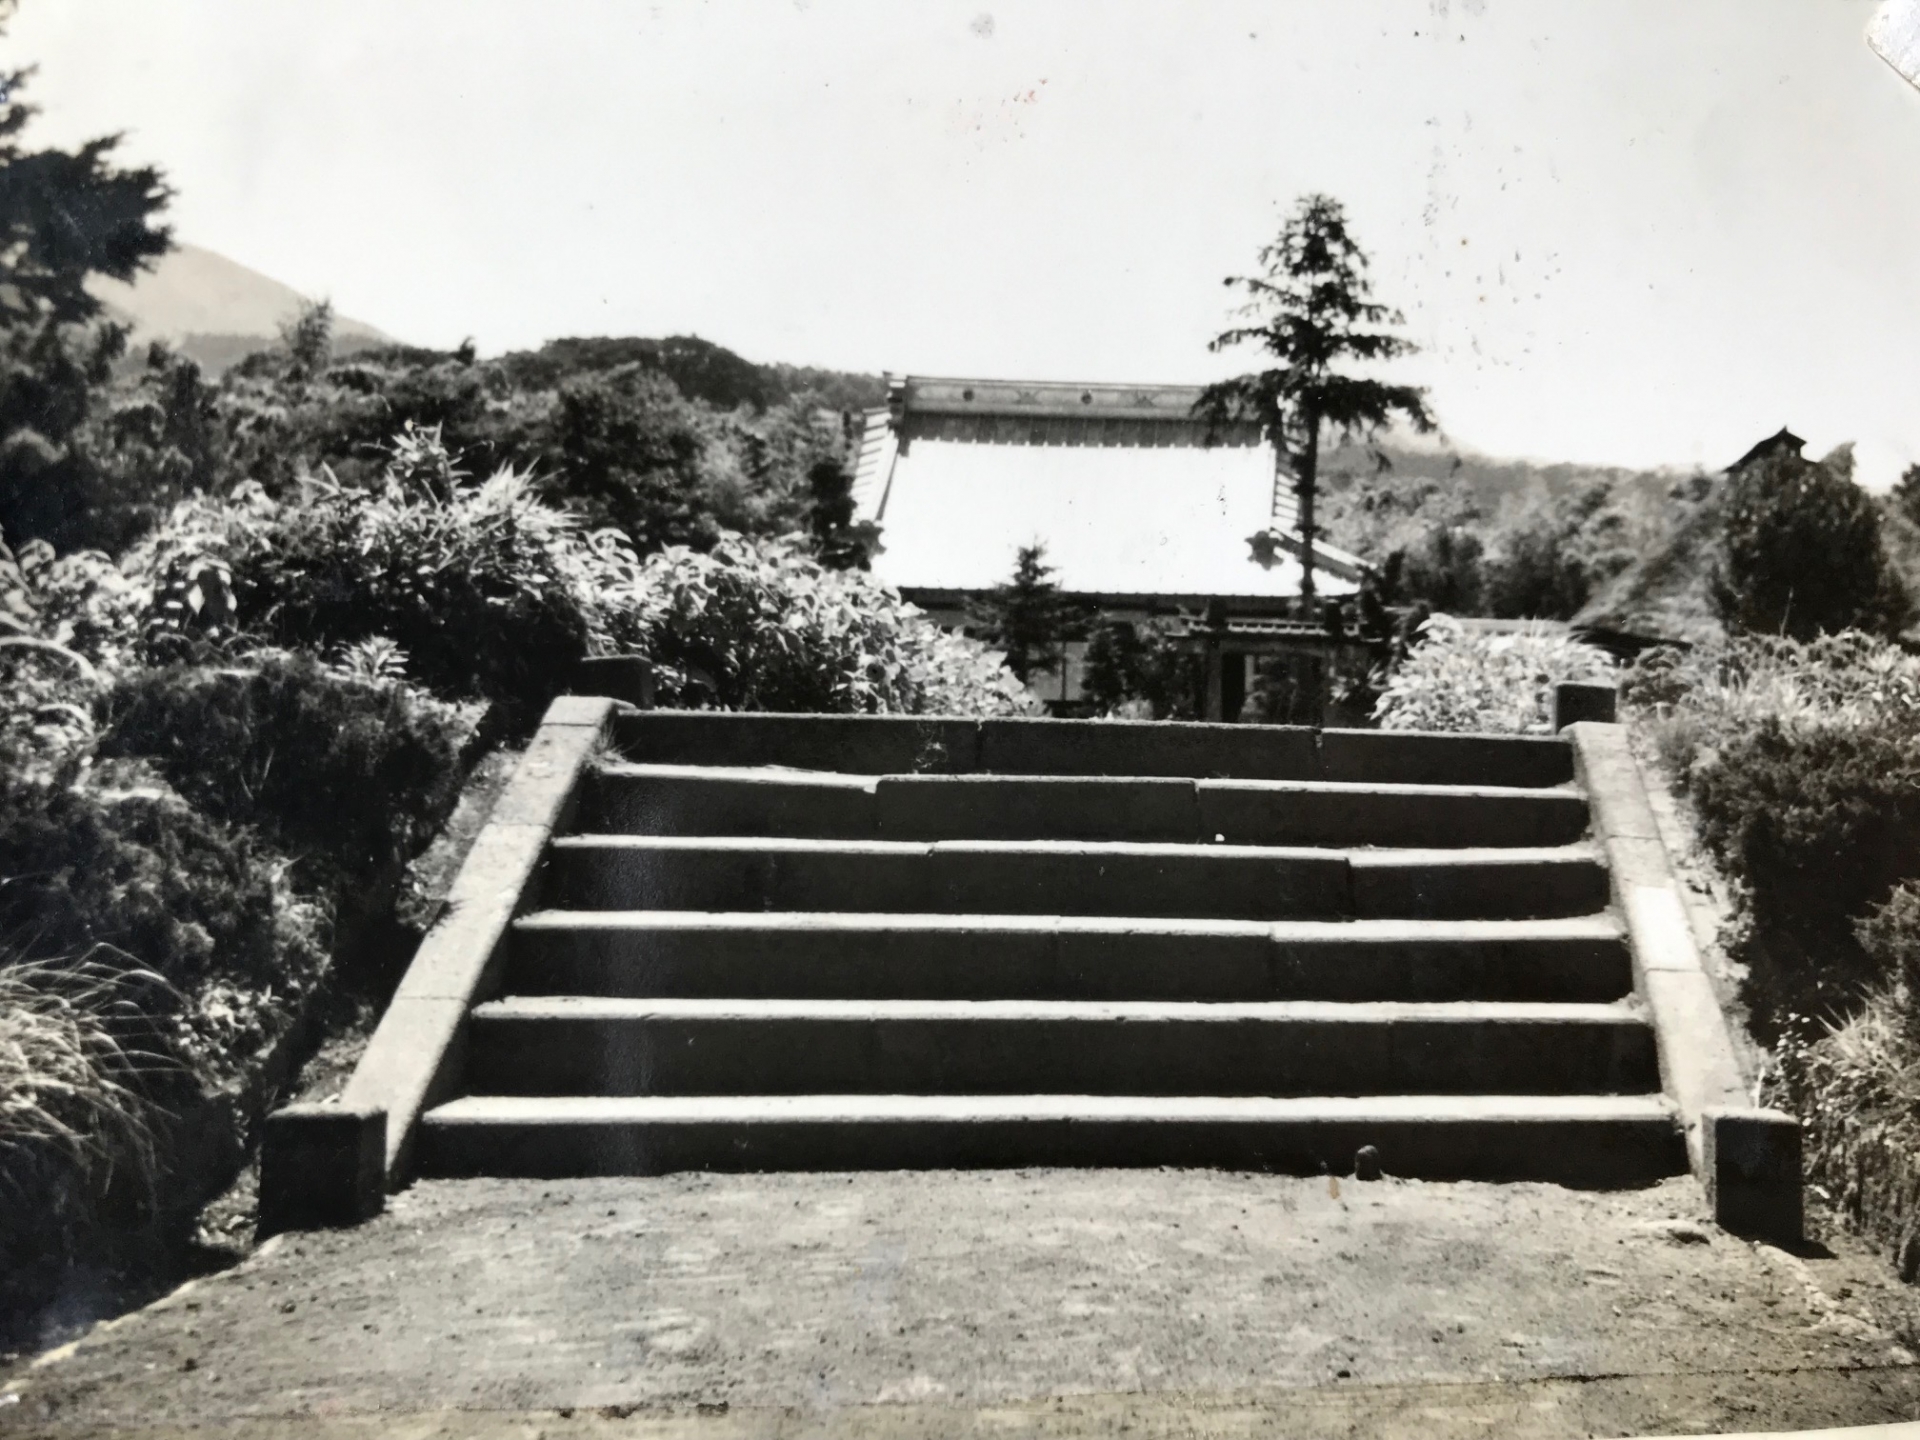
1029,1302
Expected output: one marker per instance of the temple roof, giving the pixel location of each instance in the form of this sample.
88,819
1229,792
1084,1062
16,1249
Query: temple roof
1119,482
1781,442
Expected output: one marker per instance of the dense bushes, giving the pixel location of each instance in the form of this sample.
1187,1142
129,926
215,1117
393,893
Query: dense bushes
352,774
490,592
764,626
1803,552
1502,682
152,956
1803,764
478,587
1133,670
123,861
1819,825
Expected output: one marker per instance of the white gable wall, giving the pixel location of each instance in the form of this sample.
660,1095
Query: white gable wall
1167,520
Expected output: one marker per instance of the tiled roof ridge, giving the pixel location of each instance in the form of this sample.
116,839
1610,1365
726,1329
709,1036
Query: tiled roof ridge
959,395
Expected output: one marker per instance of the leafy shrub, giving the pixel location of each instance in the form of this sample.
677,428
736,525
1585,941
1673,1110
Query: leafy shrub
1803,552
1818,824
1134,670
80,601
476,588
1493,682
490,591
1697,700
1802,759
493,593
955,675
355,775
762,625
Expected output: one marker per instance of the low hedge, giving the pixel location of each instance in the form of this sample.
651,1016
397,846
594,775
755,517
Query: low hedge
353,776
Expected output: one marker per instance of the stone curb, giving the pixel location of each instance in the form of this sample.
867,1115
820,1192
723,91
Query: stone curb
1747,1157
331,1164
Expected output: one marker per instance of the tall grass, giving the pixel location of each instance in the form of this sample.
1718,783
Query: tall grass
1695,700
76,1080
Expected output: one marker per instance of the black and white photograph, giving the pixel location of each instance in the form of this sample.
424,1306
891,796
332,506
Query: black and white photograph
1024,718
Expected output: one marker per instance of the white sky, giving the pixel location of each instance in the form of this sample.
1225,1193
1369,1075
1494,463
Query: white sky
1628,231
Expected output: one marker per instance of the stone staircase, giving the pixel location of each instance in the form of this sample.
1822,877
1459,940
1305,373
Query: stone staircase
786,942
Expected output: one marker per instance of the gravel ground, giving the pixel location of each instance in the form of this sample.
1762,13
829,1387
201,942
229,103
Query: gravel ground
1036,1302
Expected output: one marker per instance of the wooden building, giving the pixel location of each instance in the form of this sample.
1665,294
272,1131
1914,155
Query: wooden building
1145,515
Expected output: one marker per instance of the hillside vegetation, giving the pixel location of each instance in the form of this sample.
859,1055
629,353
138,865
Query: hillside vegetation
256,630
1468,535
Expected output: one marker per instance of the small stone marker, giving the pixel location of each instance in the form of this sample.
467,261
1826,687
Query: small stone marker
1574,701
1752,1164
322,1165
628,678
1366,1163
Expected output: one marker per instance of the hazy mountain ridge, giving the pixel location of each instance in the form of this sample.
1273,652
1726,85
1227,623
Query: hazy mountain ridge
215,310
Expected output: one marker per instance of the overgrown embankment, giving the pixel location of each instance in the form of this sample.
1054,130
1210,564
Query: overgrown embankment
220,750
1801,760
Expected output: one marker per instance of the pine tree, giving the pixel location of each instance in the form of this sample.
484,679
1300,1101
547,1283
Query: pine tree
1312,308
1028,617
840,544
65,216
308,336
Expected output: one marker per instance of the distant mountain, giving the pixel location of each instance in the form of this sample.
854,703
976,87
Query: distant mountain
215,309
700,369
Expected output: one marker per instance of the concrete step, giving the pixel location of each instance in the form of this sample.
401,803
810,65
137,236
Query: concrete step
1571,1139
917,745
800,955
1511,883
621,872
576,1045
635,799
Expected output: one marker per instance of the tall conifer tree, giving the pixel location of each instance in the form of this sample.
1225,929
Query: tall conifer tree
1312,308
